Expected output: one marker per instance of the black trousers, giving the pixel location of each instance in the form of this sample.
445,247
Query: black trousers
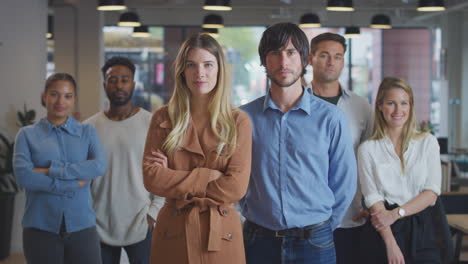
138,253
414,235
79,247
348,245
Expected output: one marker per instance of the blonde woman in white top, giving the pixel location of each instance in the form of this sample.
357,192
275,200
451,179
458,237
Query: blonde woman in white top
400,176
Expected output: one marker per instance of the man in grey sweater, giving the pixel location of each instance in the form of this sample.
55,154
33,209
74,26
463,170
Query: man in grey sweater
125,211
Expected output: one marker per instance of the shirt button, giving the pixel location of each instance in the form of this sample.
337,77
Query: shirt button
230,236
225,212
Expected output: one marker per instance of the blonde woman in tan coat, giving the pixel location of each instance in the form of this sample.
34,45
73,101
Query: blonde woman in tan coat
197,155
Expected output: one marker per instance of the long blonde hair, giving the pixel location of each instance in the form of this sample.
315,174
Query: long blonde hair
222,120
410,130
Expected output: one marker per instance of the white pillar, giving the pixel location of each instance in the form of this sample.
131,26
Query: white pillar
23,58
464,82
452,34
79,51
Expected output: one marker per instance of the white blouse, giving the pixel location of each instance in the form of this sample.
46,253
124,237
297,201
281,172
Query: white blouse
380,173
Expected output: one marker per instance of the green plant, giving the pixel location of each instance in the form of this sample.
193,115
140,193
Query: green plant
7,179
426,126
26,117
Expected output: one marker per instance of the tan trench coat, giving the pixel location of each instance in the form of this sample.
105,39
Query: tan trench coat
198,223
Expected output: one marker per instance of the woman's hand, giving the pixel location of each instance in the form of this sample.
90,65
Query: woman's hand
83,183
394,255
214,175
42,170
383,218
157,158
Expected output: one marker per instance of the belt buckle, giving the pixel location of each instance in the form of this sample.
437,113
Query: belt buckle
277,234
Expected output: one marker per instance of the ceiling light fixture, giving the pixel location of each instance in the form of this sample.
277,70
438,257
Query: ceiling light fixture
140,32
50,27
431,5
218,5
352,32
381,21
111,5
340,5
213,32
129,19
309,20
213,21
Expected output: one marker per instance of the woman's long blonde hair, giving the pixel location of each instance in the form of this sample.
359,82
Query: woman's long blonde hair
222,120
410,130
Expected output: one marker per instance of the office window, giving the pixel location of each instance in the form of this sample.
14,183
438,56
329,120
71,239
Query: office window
246,75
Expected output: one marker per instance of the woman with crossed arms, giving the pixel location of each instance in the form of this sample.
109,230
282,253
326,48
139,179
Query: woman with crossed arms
197,155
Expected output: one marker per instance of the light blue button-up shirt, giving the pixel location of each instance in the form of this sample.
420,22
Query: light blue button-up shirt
72,152
303,164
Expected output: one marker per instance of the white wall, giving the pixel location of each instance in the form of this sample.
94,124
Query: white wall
22,73
79,51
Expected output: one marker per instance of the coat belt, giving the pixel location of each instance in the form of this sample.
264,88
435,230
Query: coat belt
193,236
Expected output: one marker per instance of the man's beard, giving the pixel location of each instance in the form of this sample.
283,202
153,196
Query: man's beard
285,82
116,100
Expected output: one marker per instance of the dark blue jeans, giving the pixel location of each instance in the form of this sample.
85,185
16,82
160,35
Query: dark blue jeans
264,249
138,253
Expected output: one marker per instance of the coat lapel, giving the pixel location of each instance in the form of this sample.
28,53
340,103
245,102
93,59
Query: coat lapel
191,142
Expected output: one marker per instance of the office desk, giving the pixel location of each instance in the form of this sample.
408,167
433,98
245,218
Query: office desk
459,222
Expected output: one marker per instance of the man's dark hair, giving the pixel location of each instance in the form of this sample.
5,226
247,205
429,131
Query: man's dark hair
118,60
277,36
327,36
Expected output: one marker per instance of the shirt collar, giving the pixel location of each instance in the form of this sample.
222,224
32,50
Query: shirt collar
303,103
71,126
344,92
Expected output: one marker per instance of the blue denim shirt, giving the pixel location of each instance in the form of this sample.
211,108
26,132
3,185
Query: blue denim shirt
72,152
303,164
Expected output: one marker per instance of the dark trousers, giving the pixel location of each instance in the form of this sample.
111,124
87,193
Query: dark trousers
64,248
414,235
347,245
138,253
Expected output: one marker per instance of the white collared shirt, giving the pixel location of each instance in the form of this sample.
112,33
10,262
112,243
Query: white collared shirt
381,176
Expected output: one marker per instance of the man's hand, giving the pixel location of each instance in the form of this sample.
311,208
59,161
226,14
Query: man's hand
361,214
151,223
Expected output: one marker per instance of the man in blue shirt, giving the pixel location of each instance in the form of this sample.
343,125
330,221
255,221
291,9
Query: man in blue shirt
303,167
